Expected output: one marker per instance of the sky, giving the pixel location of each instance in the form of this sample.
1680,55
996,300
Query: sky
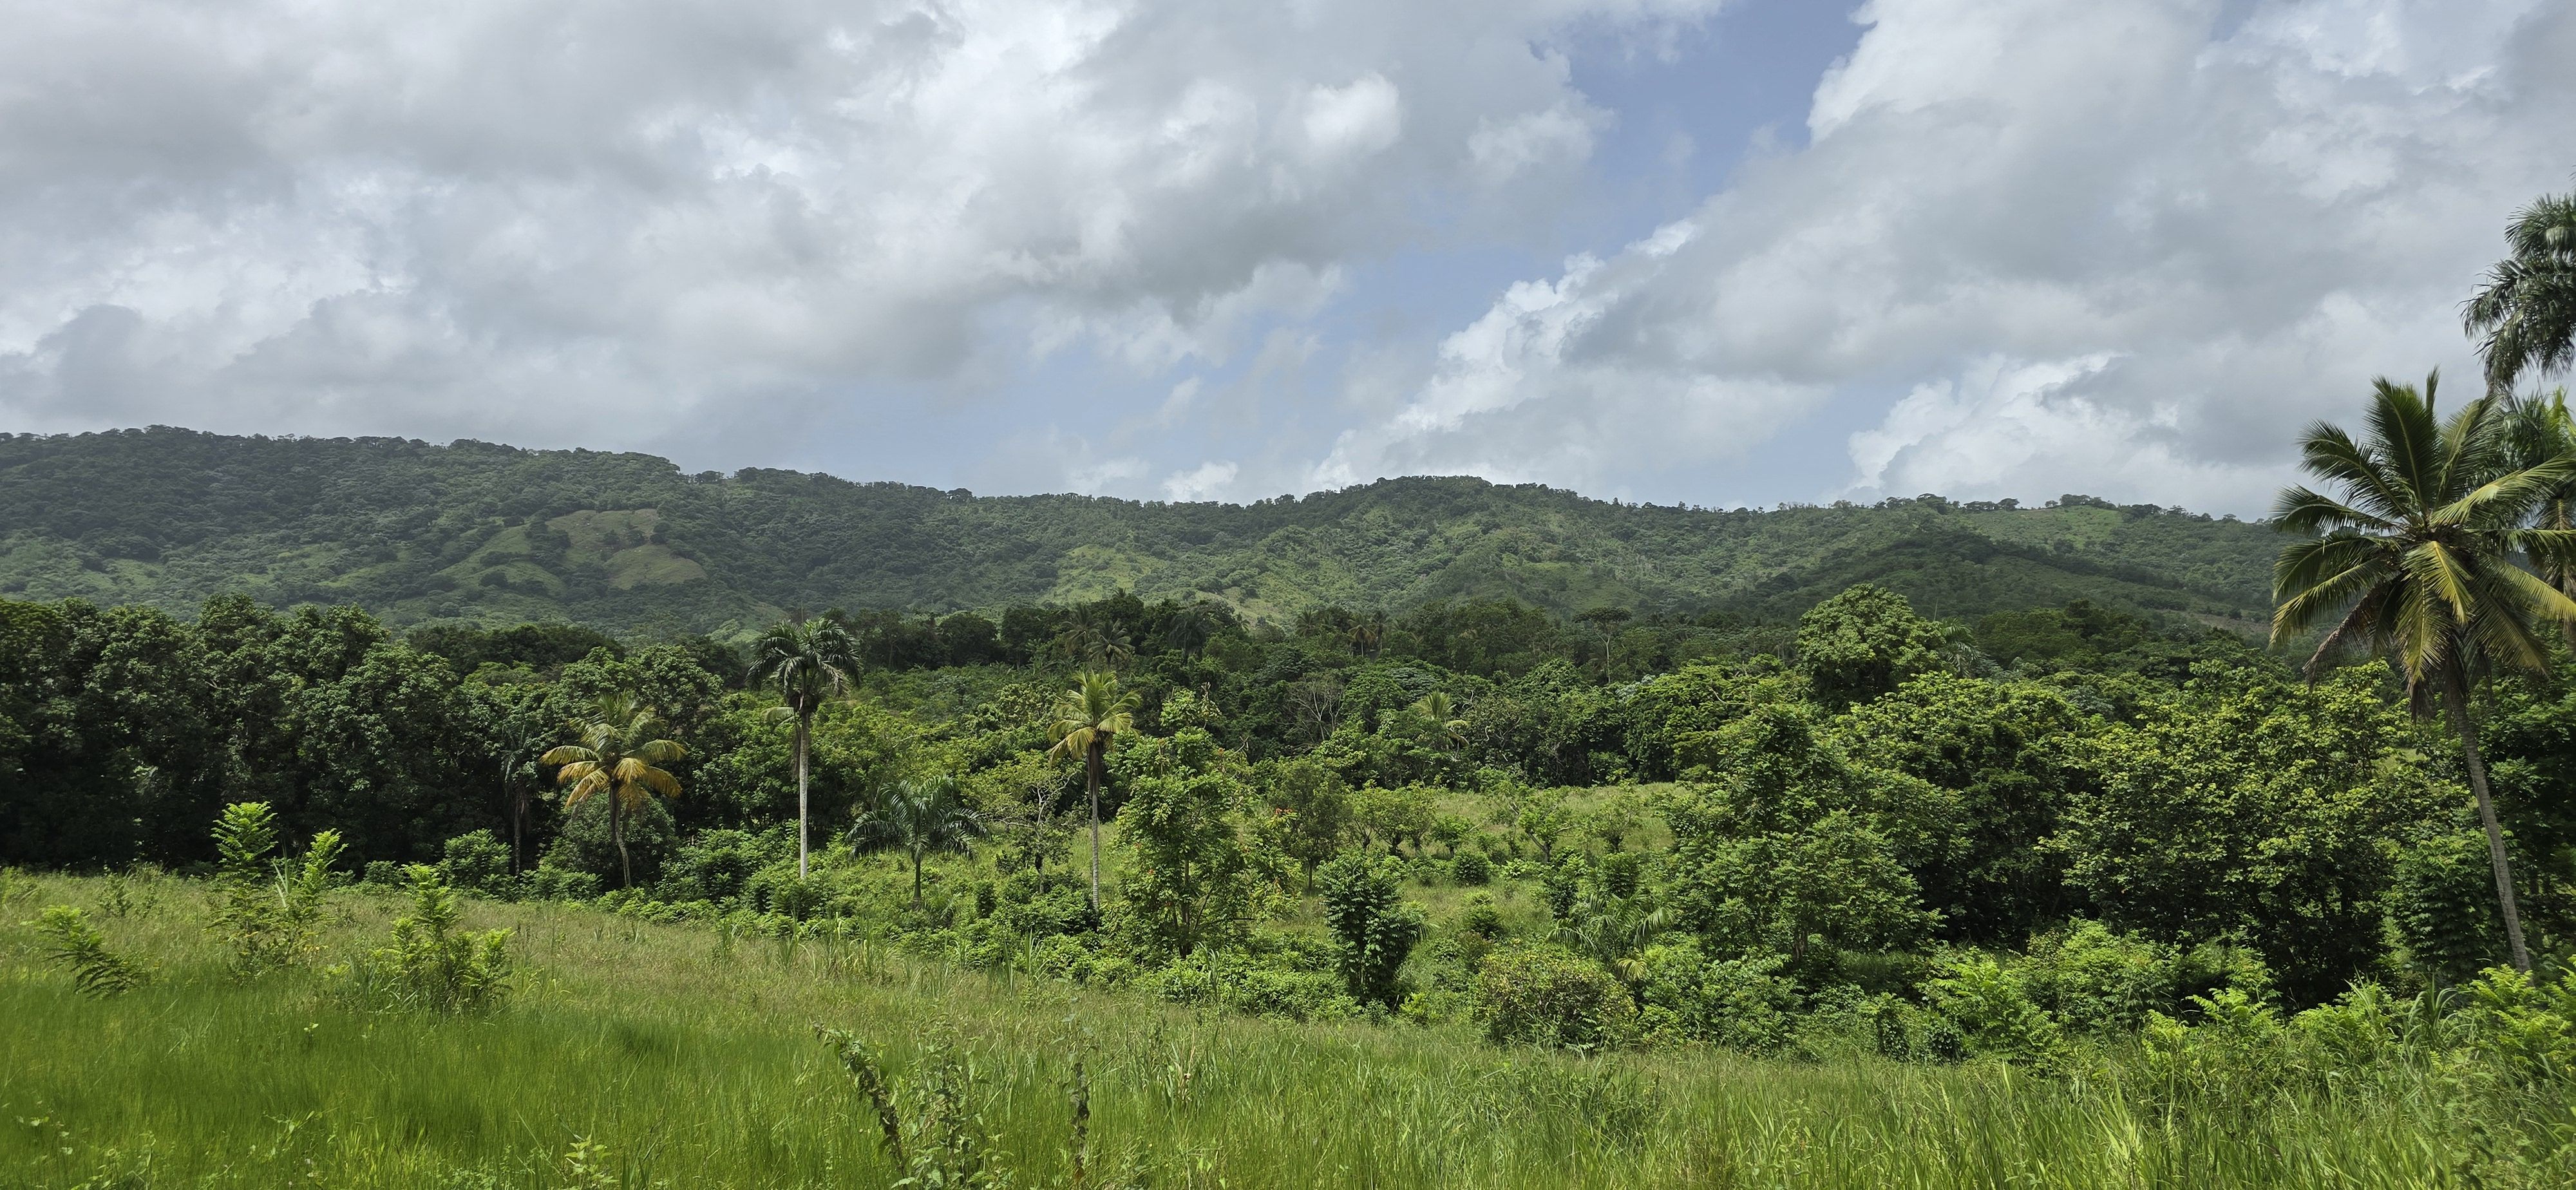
1717,252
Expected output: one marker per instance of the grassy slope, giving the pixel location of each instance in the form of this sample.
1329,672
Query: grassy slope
691,1060
489,532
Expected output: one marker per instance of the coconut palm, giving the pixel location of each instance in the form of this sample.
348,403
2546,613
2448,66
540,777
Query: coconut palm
807,664
2539,429
2422,558
1087,717
2526,311
621,754
920,818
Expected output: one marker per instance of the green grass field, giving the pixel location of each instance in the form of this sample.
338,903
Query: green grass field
641,1055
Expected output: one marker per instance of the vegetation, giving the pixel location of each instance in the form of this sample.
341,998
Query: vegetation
474,534
1467,891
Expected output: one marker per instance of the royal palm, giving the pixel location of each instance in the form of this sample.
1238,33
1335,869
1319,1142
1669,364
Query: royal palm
2422,556
1089,715
807,664
621,754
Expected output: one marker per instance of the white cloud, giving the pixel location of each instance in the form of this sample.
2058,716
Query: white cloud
1207,481
2116,246
554,220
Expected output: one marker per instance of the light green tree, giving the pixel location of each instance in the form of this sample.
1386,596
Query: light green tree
2422,557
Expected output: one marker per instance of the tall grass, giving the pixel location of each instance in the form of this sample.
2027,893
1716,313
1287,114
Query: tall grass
641,1055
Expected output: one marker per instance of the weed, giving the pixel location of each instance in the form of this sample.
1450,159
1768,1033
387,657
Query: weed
431,964
83,947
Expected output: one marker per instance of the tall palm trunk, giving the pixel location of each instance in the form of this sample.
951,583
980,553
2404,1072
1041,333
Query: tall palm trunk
803,722
2456,693
617,835
1091,775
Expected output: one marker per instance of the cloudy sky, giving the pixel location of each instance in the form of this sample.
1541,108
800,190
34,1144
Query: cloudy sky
1715,251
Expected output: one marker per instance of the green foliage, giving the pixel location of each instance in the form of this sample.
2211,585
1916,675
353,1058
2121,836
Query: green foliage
1365,909
2254,805
267,909
1548,996
477,862
934,1132
1863,643
1740,1003
2443,901
1189,885
431,964
1471,869
492,535
72,942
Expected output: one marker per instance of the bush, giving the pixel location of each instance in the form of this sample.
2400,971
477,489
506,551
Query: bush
431,965
1472,869
2444,904
1376,929
1993,1012
552,883
1481,918
1740,1003
1240,982
718,865
477,862
1549,996
584,845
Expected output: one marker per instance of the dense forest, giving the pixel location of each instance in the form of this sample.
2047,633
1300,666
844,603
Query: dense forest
1716,819
497,535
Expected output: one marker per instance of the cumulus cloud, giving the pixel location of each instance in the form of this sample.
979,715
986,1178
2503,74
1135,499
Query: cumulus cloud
2124,246
552,219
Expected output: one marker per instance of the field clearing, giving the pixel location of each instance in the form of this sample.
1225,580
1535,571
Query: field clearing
644,1055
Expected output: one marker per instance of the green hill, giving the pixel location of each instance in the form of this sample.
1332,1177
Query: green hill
472,530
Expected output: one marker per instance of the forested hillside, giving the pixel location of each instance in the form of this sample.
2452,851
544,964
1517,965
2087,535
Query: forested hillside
416,532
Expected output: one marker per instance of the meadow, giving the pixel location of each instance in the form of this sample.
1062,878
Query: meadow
631,1054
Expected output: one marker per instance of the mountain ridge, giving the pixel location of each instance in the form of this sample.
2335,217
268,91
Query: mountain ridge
417,531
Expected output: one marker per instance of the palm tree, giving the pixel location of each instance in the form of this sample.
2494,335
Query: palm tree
2527,308
919,818
1437,709
2538,430
620,754
1189,629
807,664
2421,559
1087,717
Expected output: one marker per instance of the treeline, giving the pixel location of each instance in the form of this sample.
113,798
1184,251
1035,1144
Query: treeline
1832,801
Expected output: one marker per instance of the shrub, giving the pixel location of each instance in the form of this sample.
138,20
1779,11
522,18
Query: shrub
2095,981
553,883
1548,996
1992,1010
477,862
1472,869
432,965
1481,918
1377,930
2444,904
717,865
266,909
936,1132
1740,1003
76,944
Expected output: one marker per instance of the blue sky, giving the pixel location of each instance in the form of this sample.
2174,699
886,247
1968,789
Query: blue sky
1724,252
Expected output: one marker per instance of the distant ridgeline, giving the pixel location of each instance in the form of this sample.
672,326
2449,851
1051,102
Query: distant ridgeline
470,530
